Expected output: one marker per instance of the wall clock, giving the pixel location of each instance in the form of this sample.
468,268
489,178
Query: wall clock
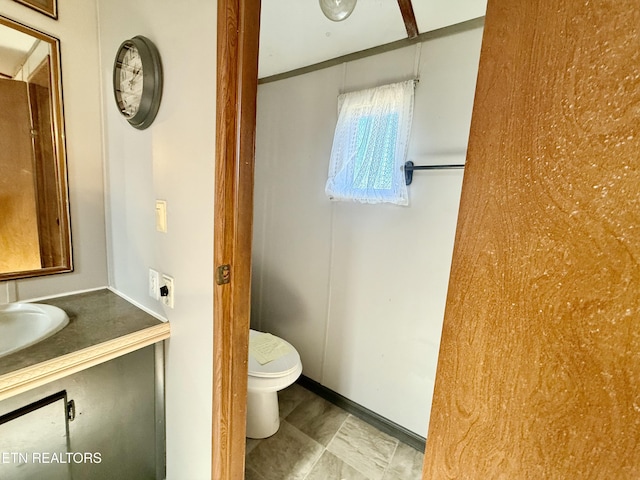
137,81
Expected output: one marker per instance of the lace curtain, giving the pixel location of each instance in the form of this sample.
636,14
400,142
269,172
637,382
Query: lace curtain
370,145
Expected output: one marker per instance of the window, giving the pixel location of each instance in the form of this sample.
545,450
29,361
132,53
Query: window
370,145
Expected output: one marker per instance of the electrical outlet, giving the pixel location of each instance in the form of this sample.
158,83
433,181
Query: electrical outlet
168,299
154,284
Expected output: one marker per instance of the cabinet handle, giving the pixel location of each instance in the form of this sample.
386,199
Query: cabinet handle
71,410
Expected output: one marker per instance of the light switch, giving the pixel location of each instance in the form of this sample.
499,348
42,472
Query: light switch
154,284
161,216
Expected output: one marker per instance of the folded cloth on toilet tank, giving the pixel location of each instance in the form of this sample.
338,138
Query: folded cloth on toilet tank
266,348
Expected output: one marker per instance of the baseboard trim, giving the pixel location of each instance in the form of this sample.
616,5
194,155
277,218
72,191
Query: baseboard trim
372,418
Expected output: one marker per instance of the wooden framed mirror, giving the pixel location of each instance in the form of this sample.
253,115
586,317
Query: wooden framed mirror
35,236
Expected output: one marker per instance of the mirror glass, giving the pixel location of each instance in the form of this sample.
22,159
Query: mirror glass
35,237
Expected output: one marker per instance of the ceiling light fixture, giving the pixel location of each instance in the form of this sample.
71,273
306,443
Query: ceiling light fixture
337,10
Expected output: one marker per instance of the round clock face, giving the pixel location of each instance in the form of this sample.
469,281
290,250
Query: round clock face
137,81
131,75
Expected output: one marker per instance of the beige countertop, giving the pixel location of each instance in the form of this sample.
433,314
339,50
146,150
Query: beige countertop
101,326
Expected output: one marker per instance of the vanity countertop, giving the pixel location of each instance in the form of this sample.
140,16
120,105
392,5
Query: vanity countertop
101,326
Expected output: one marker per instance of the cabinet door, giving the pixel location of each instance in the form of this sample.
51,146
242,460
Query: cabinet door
34,441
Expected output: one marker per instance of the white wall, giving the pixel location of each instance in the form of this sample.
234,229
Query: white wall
172,160
360,289
77,30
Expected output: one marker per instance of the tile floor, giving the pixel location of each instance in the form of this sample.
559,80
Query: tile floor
319,441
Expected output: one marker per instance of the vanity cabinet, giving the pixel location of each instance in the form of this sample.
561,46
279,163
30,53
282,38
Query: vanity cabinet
114,427
90,395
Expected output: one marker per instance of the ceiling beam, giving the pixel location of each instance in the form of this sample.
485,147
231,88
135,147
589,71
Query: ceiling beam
387,47
409,18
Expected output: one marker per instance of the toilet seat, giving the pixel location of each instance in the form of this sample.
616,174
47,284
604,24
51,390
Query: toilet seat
279,367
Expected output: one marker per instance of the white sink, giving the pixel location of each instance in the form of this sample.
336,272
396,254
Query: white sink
23,324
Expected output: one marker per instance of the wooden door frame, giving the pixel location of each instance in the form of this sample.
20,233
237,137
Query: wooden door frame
238,27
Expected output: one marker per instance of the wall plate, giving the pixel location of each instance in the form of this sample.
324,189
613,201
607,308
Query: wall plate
168,299
154,284
161,216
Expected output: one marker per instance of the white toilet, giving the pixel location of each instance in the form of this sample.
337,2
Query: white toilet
263,418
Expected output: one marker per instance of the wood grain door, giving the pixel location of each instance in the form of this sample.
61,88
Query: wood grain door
539,369
19,242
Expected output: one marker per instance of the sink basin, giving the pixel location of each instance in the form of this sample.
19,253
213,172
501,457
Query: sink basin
23,324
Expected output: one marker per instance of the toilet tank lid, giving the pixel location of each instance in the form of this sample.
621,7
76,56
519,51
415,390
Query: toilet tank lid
279,367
